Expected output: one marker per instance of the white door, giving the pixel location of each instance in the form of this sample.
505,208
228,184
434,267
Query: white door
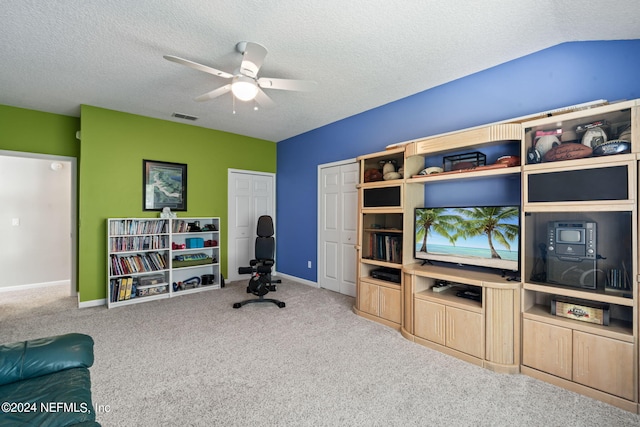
251,194
337,220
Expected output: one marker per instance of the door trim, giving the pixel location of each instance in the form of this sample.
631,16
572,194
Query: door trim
230,245
319,257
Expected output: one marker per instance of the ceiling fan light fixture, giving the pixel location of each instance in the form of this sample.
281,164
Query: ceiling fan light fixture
244,88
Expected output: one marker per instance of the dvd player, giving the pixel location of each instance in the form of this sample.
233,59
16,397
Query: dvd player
388,274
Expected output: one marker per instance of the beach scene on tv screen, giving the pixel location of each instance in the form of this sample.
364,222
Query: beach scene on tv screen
485,236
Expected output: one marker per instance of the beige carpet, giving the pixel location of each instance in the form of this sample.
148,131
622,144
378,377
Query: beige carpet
193,360
35,302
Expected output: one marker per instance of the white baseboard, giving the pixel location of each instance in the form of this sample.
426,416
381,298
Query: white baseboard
103,301
297,279
92,303
34,285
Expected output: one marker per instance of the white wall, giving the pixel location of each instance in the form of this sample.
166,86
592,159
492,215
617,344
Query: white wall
38,250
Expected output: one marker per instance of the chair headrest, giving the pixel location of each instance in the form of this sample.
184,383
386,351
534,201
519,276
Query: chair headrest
265,226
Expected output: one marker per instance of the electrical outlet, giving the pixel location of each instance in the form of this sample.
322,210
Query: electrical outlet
15,221
308,264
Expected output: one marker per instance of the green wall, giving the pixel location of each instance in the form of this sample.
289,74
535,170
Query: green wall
37,132
110,170
110,185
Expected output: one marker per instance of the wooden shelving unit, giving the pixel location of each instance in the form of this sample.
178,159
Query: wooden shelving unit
512,329
597,360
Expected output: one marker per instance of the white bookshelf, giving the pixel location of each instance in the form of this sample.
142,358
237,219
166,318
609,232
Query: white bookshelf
156,258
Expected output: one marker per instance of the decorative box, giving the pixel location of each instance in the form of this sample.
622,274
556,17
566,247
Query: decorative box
464,161
153,290
585,311
194,242
151,279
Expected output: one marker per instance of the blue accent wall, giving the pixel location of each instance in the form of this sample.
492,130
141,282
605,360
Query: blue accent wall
562,75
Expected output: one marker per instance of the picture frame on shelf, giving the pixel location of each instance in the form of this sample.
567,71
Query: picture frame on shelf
164,184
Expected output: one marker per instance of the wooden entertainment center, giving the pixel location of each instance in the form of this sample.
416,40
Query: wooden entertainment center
578,248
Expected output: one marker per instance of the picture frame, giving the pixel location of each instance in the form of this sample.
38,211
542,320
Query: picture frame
164,184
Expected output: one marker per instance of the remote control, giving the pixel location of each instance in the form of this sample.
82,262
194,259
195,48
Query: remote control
440,288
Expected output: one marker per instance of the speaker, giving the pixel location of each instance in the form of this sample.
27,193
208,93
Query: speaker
609,183
382,197
578,274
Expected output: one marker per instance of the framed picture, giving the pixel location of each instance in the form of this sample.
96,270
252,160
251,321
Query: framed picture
164,184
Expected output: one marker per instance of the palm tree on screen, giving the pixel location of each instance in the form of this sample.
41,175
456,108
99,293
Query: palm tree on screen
434,220
494,222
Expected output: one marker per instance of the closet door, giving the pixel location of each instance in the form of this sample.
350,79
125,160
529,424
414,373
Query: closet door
251,194
337,221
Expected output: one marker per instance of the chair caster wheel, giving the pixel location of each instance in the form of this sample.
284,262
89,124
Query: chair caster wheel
237,305
281,304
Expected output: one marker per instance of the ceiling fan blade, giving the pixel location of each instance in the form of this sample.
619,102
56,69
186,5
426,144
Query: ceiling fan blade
252,58
198,67
263,99
214,93
287,84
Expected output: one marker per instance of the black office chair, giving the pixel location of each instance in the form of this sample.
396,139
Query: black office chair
261,282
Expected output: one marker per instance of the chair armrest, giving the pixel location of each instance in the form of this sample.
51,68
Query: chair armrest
42,356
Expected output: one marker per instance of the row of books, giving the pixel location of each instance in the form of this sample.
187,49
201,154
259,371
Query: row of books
180,226
138,243
151,261
136,226
121,289
385,247
125,288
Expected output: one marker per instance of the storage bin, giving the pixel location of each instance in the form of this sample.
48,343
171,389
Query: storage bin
194,242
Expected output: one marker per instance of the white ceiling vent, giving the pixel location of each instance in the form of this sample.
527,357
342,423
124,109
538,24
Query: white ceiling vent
184,116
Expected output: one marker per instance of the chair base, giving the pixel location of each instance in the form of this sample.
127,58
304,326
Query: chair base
280,304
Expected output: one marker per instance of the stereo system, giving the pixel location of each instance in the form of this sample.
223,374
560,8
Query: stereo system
571,253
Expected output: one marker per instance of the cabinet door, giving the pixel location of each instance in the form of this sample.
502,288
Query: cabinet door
547,348
369,298
390,304
603,363
464,331
429,321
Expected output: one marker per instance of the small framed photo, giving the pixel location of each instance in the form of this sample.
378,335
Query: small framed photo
164,185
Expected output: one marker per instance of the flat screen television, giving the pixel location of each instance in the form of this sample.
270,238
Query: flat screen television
486,236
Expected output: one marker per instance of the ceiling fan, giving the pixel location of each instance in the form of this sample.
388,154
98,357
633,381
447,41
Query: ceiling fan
245,83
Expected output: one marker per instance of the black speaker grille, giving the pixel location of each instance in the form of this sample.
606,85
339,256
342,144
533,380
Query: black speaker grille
382,197
609,183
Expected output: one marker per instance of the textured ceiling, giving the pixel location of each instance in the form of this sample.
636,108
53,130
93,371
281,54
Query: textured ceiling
57,55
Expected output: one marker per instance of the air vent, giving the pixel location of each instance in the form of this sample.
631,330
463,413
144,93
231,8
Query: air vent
184,116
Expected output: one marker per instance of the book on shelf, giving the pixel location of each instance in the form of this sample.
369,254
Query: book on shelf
123,288
385,247
137,243
127,292
139,263
137,226
180,226
113,289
